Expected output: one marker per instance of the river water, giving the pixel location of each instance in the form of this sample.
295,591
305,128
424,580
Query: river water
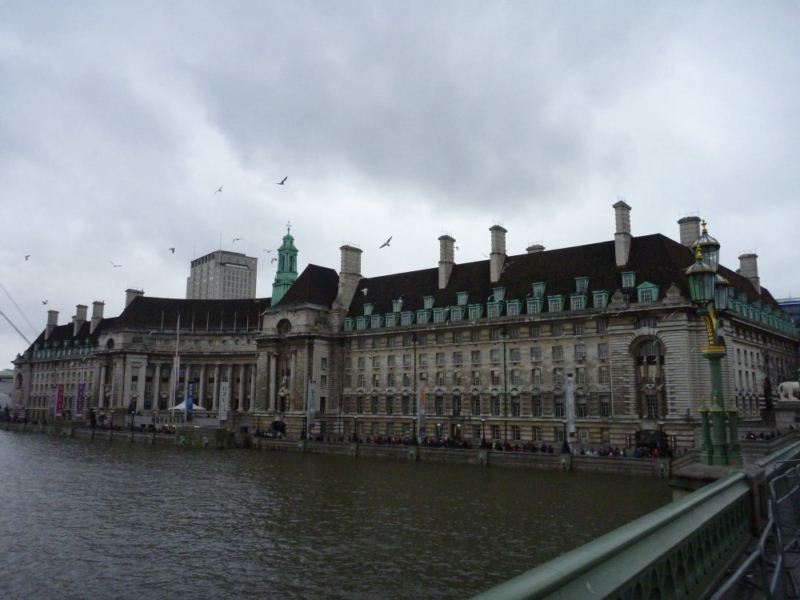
92,520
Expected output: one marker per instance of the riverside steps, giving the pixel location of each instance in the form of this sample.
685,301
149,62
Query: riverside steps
711,542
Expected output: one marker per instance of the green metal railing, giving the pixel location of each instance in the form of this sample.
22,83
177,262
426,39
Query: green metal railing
681,550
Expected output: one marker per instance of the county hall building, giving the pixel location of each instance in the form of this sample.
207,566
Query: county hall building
504,349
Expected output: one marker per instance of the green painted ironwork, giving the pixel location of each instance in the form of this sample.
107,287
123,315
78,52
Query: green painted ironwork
677,551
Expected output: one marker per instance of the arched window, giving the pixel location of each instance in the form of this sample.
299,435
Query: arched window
650,380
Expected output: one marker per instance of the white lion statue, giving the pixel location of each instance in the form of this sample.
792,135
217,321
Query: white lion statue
789,390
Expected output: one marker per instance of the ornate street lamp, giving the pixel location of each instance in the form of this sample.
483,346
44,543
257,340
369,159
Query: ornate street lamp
709,292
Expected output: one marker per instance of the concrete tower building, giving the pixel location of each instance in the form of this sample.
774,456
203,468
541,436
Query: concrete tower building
222,275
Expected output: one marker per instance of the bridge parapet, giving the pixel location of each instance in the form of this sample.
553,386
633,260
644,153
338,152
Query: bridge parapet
682,549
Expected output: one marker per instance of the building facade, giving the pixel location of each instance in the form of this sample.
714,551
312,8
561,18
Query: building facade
507,349
222,275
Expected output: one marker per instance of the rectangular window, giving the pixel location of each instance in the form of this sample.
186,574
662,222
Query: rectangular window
391,361
600,299
457,337
558,406
475,335
536,405
461,298
558,376
555,303
538,289
628,279
515,433
475,357
580,376
495,377
534,306
581,285
536,354
513,308
423,361
577,302
361,362
602,326
457,378
602,351
476,378
475,311
580,329
514,355
423,316
440,359
558,352
536,377
407,360
580,352
495,432
360,380
406,317
439,315
605,405
439,406
493,310
494,355
391,380
323,363
456,406
457,359
537,434
515,377
495,406
556,330
376,362
376,380
427,302
439,338
535,331
603,376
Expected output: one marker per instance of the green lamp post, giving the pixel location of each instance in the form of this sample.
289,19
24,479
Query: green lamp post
709,292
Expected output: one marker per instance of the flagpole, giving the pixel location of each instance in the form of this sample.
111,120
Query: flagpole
176,365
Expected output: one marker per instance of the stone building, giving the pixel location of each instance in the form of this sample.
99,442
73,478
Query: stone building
597,342
222,275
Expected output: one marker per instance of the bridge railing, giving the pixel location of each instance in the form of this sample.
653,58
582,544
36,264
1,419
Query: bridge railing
680,550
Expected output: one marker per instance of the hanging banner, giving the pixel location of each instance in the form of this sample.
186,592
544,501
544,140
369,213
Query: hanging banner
189,398
60,400
80,399
223,401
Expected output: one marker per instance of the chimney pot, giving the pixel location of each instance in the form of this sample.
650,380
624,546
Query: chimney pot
498,254
622,238
446,259
748,267
535,248
689,230
131,294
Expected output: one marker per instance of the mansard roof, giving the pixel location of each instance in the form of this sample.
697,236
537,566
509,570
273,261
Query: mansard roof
655,258
213,315
315,285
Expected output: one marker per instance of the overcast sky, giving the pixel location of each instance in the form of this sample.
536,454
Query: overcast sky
118,121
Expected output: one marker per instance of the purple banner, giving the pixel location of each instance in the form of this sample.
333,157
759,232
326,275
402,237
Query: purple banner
80,399
60,400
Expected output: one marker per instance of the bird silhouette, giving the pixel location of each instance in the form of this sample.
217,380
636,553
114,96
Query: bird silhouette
219,190
282,181
113,264
267,251
27,256
234,240
45,301
172,250
386,243
364,291
273,260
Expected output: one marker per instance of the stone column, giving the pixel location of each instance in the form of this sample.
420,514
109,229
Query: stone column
201,389
292,380
215,391
142,386
273,368
101,391
156,384
253,372
241,386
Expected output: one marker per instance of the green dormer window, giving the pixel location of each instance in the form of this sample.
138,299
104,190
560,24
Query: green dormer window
555,303
538,289
423,316
628,279
427,302
513,308
499,294
534,306
475,311
392,319
461,298
647,292
376,322
397,305
456,313
581,285
362,322
494,309
406,317
367,308
600,298
577,301
439,315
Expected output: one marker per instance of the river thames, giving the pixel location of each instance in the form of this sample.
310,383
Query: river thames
97,520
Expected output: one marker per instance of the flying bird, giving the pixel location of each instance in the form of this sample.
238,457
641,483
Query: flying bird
113,264
386,243
282,181
27,256
172,250
219,190
364,291
45,301
234,240
267,251
273,260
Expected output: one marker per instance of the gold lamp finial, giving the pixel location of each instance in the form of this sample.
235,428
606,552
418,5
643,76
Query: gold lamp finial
698,255
705,225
